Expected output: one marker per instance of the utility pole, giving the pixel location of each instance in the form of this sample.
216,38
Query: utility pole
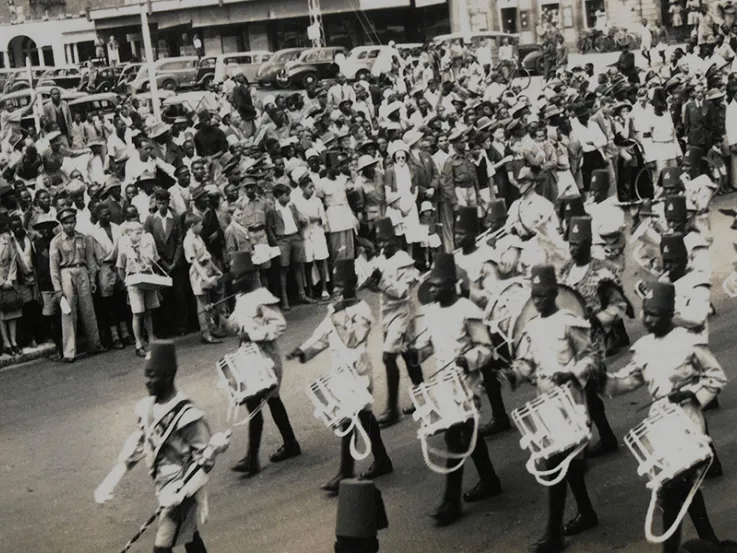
315,31
146,32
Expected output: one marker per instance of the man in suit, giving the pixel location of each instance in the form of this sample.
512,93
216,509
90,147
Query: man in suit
57,111
626,65
113,199
242,100
164,147
700,120
168,233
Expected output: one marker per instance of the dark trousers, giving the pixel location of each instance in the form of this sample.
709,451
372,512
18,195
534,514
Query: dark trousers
591,161
457,439
597,412
672,498
494,392
256,426
32,326
378,449
557,496
414,370
195,546
171,318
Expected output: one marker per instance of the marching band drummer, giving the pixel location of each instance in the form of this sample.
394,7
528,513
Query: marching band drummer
606,306
256,318
507,247
448,331
693,289
346,330
532,217
393,278
673,363
172,437
675,211
559,352
607,220
478,261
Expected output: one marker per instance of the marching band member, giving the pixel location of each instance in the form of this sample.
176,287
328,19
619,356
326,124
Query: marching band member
693,289
606,306
532,218
675,211
256,318
559,352
478,263
447,322
393,278
173,437
608,222
507,247
346,330
675,364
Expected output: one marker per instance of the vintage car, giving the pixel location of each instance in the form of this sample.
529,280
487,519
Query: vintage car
312,65
100,105
267,73
172,74
248,63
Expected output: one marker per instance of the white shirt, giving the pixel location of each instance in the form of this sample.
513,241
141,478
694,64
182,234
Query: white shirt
167,221
135,168
109,247
180,198
440,157
290,225
142,203
591,137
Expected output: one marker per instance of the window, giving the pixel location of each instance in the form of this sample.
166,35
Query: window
207,62
310,57
373,54
328,55
239,60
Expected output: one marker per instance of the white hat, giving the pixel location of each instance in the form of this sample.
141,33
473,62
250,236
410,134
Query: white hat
610,220
426,206
225,111
311,152
53,135
268,100
335,115
365,161
411,137
397,146
298,173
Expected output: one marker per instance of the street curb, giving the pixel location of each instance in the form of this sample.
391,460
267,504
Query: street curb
29,354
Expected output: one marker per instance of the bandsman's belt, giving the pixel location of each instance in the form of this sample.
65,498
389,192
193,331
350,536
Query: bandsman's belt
74,266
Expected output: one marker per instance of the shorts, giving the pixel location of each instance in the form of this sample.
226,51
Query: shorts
142,300
50,304
292,249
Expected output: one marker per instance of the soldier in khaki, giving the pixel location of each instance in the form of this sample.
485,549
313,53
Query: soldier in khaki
73,272
459,185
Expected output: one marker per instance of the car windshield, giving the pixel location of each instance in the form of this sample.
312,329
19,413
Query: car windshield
287,56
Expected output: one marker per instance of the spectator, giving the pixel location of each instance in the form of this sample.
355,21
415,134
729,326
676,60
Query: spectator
44,227
57,111
209,140
31,327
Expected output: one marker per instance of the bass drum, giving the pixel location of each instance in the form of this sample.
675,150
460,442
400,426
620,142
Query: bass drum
568,298
503,311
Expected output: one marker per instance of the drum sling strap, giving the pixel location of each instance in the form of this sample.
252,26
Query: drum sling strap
171,420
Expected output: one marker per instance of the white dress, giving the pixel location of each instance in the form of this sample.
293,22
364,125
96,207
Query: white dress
407,204
316,245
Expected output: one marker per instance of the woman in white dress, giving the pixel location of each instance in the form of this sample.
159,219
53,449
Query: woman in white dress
402,179
664,148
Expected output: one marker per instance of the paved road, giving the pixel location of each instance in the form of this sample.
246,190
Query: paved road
61,427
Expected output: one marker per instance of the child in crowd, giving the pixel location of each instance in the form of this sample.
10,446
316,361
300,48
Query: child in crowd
138,254
316,245
203,273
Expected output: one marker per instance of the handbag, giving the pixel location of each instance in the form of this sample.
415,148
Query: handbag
10,300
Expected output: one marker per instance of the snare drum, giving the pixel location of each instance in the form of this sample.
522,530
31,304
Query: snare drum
552,424
245,374
338,398
440,403
668,445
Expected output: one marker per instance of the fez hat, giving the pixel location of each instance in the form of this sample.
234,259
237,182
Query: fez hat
599,179
384,229
670,177
675,208
672,247
244,272
344,271
468,220
444,268
361,511
497,210
543,277
580,229
693,156
661,295
573,207
162,356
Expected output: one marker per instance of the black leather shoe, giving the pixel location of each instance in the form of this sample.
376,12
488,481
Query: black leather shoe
388,418
287,451
247,467
378,468
548,545
495,426
580,523
715,470
483,490
333,485
713,404
447,513
605,446
409,410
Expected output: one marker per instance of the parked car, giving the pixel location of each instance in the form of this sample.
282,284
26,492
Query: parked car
63,77
100,105
127,75
312,65
171,73
360,61
205,72
531,56
247,63
21,98
266,74
18,79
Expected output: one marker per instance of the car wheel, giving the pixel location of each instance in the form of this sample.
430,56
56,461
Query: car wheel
207,81
105,87
363,74
283,82
169,84
309,79
540,66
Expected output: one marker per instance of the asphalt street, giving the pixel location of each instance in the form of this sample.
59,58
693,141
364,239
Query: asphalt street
61,427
